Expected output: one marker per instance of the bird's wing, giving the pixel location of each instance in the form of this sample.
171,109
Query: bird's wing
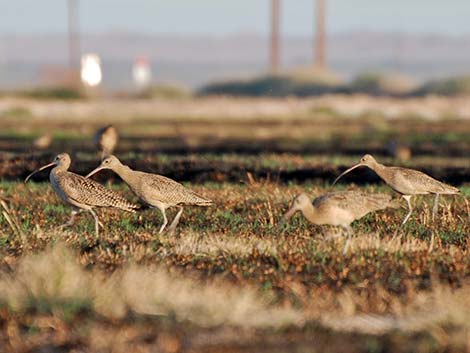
172,192
341,199
423,183
86,191
358,202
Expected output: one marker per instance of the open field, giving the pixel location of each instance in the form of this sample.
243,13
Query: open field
221,139
228,280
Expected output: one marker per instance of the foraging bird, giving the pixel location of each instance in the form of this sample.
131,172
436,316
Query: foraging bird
338,208
80,192
106,139
155,190
406,181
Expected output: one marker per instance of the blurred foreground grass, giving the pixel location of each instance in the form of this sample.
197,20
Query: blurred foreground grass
228,280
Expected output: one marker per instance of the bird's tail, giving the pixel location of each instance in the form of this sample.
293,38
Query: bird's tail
382,201
205,202
199,200
130,207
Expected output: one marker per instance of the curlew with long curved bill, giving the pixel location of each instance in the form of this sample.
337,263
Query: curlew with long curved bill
80,192
338,208
407,182
154,190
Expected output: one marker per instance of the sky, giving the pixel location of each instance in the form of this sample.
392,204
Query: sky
223,17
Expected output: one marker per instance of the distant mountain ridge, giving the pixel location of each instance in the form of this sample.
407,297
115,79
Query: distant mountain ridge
196,60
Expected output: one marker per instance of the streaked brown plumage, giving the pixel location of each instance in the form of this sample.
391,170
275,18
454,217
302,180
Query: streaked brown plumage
338,208
106,139
80,192
406,181
155,190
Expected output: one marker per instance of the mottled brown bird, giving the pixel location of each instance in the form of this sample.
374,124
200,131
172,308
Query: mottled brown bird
80,192
406,181
338,208
106,139
155,190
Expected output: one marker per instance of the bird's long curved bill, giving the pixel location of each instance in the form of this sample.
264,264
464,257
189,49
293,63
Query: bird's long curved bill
285,218
347,171
38,170
94,171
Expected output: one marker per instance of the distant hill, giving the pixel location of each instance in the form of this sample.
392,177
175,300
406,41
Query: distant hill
195,61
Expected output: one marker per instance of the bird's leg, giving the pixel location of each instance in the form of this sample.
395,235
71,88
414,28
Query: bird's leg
71,221
349,232
97,222
175,222
410,208
435,207
165,221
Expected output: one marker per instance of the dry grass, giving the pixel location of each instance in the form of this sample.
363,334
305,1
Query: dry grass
213,245
53,282
227,269
53,287
440,307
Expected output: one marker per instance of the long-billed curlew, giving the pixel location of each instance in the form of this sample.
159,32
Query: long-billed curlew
406,181
338,208
106,139
155,190
80,192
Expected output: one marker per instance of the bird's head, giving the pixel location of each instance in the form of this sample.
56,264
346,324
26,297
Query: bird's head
110,162
299,203
62,161
366,161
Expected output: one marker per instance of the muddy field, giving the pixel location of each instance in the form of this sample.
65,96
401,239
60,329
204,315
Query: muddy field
207,151
285,168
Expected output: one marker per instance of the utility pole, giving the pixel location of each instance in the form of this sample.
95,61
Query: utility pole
319,51
74,34
274,47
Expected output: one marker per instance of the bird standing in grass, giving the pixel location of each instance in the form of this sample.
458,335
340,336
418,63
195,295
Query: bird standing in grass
338,208
106,139
155,190
80,192
407,182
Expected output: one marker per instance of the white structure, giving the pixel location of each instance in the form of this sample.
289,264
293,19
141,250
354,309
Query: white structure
142,72
90,72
